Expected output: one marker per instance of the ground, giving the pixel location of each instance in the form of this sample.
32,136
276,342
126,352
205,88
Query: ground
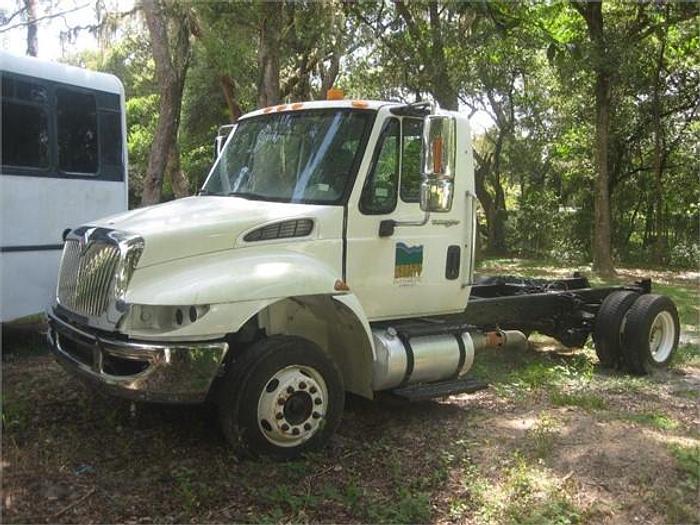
556,439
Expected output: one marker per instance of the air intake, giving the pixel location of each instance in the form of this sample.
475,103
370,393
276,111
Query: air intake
281,230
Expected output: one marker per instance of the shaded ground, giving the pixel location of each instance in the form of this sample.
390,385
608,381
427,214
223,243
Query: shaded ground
554,440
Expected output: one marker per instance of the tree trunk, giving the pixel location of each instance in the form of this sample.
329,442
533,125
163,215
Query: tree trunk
178,180
433,55
445,94
602,239
170,72
268,54
659,146
32,39
228,86
329,75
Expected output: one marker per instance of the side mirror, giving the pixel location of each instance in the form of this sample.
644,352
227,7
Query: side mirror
436,195
438,161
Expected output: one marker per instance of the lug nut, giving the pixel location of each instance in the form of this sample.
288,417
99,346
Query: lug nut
307,426
318,401
280,401
285,427
302,385
316,415
290,390
279,415
313,390
295,431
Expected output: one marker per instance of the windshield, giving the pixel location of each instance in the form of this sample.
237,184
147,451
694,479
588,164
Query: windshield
306,156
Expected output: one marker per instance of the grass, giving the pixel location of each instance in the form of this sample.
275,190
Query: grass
688,458
522,451
526,494
586,400
687,354
655,420
542,437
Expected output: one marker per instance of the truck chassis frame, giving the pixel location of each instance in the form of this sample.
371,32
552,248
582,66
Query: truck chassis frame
564,309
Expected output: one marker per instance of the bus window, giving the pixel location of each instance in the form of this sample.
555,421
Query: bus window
76,114
111,138
25,135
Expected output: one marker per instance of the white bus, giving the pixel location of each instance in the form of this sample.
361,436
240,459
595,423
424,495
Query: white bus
63,163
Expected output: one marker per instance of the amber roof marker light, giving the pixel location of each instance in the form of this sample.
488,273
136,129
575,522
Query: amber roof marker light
335,94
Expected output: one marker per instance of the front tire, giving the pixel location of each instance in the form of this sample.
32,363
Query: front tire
651,334
281,398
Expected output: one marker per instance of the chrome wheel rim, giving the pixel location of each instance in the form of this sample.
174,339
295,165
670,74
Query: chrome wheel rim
292,405
662,335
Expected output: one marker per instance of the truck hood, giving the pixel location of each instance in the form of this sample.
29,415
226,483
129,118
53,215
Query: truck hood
198,225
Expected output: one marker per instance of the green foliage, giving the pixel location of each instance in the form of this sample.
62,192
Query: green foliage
527,68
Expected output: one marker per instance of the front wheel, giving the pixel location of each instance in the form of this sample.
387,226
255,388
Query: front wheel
283,397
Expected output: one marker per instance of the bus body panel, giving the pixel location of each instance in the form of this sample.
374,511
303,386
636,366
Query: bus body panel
38,201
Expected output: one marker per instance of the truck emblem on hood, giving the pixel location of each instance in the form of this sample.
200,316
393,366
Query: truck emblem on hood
408,264
84,240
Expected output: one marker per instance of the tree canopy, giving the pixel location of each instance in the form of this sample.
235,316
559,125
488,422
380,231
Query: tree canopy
590,147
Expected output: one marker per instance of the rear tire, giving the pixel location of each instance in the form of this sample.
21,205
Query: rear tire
607,333
651,334
281,398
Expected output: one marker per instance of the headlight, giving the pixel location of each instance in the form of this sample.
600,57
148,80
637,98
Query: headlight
131,249
145,317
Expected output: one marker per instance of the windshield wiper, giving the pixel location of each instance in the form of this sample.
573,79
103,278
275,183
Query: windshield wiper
246,195
207,192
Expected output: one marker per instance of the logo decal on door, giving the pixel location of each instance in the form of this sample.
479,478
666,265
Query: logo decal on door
408,264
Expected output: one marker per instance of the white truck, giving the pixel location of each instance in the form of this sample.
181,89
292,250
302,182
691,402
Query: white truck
330,250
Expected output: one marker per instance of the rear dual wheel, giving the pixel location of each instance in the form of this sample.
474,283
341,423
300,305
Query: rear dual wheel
282,397
636,333
651,334
609,325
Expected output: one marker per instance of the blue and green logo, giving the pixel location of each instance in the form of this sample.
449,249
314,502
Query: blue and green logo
409,261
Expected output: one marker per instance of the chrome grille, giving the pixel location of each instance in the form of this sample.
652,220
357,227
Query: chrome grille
85,279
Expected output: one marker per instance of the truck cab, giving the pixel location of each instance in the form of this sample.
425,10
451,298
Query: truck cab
330,250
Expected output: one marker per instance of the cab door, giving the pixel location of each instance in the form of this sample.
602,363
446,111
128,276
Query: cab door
417,270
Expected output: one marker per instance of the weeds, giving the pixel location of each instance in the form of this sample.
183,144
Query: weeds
185,487
654,419
543,435
688,458
526,494
585,400
687,354
16,414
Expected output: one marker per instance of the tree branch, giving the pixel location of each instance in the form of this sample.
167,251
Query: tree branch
42,18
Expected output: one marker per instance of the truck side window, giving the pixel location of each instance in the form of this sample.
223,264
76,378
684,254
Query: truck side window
411,144
76,114
379,192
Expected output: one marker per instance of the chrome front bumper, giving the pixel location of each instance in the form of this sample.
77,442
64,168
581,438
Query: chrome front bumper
171,373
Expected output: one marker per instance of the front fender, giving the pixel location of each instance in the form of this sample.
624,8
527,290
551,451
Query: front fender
232,276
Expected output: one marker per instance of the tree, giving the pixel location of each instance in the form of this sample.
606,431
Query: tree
171,27
32,40
602,65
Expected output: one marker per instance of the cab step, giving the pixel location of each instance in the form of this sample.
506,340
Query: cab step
421,392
